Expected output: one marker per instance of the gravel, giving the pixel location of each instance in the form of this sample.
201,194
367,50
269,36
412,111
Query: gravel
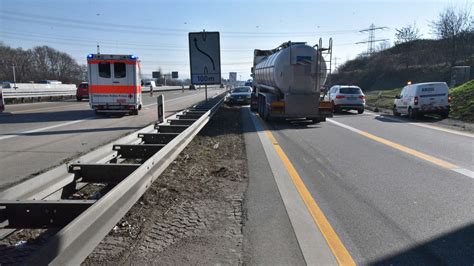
192,214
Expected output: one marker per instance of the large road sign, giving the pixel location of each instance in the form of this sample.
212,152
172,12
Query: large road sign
205,57
174,74
156,74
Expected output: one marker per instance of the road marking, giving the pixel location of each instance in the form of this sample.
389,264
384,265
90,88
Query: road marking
13,135
424,156
452,131
335,244
46,108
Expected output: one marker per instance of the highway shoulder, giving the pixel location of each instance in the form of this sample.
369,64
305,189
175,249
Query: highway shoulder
279,229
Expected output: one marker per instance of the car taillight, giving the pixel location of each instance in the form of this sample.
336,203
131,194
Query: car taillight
340,96
450,98
415,100
361,97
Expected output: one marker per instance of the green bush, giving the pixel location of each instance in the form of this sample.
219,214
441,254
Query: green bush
462,104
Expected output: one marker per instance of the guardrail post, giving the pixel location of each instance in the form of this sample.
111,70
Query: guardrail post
160,100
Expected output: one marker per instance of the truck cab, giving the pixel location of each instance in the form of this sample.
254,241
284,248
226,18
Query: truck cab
114,83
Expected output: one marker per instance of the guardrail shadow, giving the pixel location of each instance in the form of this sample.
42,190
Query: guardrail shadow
58,116
72,131
453,248
404,119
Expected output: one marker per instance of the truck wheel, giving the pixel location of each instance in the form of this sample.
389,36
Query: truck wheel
360,111
134,112
79,99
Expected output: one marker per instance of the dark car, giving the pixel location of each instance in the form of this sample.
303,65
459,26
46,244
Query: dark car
82,91
239,95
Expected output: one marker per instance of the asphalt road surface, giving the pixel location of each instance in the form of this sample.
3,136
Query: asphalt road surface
37,136
394,192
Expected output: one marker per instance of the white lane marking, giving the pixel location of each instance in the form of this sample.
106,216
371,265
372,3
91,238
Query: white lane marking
13,135
464,171
175,99
452,131
459,170
312,243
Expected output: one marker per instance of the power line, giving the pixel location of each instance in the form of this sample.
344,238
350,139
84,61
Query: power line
371,30
61,22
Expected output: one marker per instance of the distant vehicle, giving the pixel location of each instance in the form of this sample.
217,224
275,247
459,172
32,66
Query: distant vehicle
418,99
114,83
248,83
346,97
82,91
287,80
239,95
49,82
2,102
148,83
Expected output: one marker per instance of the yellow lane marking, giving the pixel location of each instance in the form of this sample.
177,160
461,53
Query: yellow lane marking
413,152
335,244
399,147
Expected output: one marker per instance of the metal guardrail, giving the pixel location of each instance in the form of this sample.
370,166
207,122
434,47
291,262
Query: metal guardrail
34,92
42,202
31,90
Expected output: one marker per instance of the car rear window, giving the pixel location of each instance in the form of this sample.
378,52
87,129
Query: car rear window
83,86
241,90
351,90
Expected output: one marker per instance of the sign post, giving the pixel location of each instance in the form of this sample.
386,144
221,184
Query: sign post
205,58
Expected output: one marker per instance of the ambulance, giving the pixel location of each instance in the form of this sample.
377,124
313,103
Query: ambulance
114,83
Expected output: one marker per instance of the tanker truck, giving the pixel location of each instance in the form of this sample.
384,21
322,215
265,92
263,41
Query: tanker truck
287,81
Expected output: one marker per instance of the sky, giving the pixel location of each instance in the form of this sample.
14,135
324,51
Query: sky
157,31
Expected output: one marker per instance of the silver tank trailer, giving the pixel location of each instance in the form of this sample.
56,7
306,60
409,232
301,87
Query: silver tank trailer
289,70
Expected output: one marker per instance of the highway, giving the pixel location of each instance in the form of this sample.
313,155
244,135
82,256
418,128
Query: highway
394,192
37,136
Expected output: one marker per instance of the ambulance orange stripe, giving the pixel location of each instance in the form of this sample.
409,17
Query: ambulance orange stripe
115,89
127,62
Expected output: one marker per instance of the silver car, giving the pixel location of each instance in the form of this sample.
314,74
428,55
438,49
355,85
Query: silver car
346,97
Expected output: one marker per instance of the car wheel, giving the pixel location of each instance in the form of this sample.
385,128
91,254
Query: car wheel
360,111
79,99
412,113
395,113
335,109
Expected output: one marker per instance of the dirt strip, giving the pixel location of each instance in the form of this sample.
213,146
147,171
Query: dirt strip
192,214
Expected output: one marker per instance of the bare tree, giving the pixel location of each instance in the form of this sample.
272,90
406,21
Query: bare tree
39,63
452,21
452,26
407,34
383,46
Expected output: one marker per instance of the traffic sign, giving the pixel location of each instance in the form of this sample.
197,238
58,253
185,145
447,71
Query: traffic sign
174,74
156,74
205,58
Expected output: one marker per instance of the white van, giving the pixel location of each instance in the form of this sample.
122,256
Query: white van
418,99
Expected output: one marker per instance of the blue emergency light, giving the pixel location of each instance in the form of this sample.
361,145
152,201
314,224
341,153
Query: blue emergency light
133,57
90,56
